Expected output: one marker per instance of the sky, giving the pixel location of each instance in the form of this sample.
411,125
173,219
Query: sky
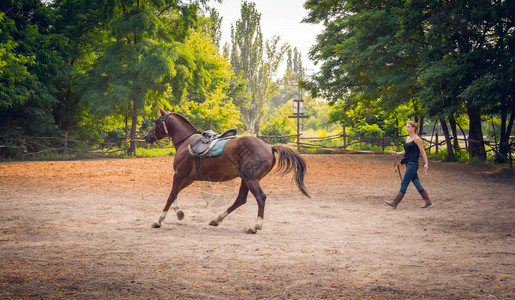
278,17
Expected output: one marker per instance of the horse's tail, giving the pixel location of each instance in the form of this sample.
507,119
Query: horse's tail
290,160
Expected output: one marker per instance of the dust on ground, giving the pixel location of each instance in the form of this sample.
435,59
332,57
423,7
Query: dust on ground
82,228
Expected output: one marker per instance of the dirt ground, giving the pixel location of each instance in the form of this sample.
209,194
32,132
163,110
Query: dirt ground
83,229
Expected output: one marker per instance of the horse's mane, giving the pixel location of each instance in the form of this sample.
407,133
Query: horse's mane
184,119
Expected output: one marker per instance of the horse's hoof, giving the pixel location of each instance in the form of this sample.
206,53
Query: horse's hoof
213,223
156,225
251,231
180,215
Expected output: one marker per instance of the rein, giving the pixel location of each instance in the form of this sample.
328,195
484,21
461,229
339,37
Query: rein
178,143
163,123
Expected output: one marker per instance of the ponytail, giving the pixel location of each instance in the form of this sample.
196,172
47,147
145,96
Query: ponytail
414,124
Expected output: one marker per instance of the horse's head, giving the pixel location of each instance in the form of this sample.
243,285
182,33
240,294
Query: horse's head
159,130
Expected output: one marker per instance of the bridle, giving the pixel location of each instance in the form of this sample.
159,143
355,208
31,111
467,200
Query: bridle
163,118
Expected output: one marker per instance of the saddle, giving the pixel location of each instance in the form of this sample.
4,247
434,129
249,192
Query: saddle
201,144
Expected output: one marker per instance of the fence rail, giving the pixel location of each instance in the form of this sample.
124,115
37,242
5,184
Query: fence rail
32,146
348,141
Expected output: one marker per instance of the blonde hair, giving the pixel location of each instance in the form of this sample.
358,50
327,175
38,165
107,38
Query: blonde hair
414,124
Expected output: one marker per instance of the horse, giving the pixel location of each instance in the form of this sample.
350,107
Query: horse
246,157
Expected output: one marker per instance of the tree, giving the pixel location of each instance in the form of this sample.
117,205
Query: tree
212,25
144,59
83,26
13,68
56,43
430,55
470,40
210,94
30,59
279,124
256,61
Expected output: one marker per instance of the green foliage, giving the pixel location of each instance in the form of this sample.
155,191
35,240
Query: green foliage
145,59
369,130
257,61
212,26
53,49
211,114
440,59
156,152
323,133
211,89
279,124
15,78
211,73
318,114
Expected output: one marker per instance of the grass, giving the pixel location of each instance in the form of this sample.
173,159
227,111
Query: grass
122,153
155,152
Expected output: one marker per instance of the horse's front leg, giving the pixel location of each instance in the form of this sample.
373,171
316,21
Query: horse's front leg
179,183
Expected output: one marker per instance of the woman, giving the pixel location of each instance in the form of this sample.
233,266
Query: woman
412,149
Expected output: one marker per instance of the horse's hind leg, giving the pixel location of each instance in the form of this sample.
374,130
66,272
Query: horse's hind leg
178,185
240,200
257,191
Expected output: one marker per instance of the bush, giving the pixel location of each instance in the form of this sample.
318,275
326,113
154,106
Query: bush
279,124
371,130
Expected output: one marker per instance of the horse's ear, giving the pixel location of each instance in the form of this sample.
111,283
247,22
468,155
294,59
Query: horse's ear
162,111
173,110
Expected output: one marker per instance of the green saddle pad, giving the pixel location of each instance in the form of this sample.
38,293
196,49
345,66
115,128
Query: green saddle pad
217,149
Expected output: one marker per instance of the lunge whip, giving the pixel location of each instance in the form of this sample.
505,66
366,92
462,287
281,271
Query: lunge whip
397,168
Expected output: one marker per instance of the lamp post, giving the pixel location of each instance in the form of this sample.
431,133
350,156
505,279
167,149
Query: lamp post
298,110
298,113
298,106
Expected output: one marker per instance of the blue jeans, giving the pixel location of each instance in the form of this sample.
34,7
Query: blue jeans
411,175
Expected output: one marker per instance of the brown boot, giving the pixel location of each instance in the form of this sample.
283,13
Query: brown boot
425,196
393,203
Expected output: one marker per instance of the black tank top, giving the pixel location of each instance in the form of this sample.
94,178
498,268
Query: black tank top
412,152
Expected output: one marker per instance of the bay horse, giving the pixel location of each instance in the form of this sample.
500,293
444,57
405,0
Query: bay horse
246,157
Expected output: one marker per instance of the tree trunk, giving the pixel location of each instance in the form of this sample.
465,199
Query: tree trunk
504,146
421,126
256,127
126,128
450,150
134,123
464,135
396,127
251,126
476,145
456,142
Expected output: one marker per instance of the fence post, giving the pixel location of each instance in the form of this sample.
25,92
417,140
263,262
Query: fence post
382,141
65,142
344,139
436,135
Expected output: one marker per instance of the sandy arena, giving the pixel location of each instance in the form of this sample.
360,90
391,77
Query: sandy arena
83,229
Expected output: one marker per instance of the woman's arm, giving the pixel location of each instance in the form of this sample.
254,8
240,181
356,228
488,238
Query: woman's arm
420,145
398,153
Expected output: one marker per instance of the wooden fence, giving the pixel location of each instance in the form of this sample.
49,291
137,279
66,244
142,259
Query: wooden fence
26,146
348,142
33,146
